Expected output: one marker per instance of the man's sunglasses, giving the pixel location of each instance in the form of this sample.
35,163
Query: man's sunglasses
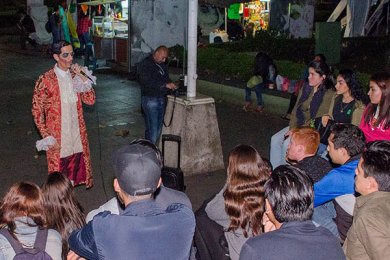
66,54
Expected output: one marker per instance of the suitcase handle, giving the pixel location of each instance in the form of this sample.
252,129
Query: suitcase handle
171,138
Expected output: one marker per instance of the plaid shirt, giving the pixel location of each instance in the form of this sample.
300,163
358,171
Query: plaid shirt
83,25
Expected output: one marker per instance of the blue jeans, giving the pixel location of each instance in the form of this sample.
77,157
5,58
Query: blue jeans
324,215
279,147
154,110
84,40
258,90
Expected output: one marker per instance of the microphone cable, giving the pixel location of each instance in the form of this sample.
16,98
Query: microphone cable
100,144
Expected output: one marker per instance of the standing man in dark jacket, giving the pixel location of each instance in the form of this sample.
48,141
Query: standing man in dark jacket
155,83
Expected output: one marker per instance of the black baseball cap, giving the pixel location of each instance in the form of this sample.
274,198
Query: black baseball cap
137,168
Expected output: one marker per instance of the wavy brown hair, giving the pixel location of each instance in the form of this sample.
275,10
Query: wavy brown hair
382,79
63,211
244,194
22,199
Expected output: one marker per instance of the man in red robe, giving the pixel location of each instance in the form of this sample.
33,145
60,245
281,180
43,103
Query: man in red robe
58,115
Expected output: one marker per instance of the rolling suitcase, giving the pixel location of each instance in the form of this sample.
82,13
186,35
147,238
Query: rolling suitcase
172,177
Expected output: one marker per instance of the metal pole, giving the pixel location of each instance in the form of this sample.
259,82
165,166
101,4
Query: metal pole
129,36
192,47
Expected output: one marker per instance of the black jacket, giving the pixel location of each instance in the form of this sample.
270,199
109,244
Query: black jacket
153,77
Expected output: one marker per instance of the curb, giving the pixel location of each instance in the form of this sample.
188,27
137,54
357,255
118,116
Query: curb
273,104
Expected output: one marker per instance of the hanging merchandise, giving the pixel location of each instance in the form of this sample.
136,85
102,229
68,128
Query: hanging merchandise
72,7
73,30
234,12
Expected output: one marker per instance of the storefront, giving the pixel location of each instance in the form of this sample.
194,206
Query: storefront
109,30
257,12
252,16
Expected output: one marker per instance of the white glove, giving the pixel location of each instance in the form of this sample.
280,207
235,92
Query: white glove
45,143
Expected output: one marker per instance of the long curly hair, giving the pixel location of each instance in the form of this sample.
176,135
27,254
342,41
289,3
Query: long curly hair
63,211
354,86
244,193
22,199
382,79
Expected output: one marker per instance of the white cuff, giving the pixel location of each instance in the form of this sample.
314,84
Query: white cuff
80,86
45,143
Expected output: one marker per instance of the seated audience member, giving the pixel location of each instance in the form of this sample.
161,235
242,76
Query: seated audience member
314,99
164,196
289,207
304,78
22,220
369,235
144,230
239,206
63,211
346,142
264,75
301,152
347,105
375,122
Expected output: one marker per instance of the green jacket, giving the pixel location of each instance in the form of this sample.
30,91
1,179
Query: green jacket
322,110
369,236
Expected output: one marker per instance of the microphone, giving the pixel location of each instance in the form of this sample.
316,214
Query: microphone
82,73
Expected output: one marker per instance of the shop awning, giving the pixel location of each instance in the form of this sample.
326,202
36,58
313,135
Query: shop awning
99,2
223,3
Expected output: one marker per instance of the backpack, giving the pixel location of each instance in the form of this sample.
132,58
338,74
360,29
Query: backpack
48,26
36,253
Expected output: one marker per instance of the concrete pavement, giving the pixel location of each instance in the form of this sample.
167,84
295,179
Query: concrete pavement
117,109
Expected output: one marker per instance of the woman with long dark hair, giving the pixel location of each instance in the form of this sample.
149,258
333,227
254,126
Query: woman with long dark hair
348,104
63,212
346,107
313,101
239,206
22,214
375,123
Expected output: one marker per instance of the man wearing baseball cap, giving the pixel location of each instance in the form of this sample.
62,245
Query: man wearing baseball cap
143,230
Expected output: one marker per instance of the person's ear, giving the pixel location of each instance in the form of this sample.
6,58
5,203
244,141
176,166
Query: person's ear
56,57
117,188
301,148
372,184
159,183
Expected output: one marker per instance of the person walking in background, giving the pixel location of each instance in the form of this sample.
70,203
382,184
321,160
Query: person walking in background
63,211
23,217
155,84
58,114
376,118
83,25
56,25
